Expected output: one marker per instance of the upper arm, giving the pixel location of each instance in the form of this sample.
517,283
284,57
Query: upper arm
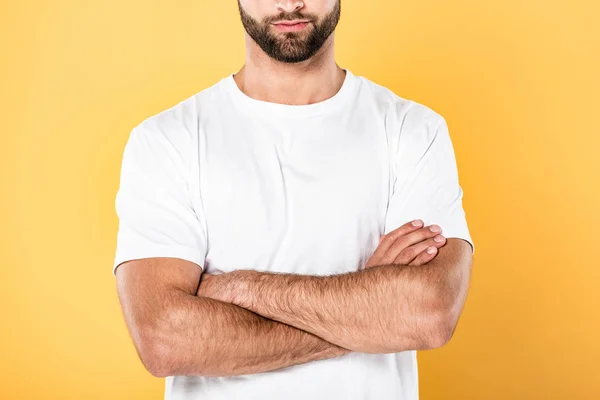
426,186
161,239
158,216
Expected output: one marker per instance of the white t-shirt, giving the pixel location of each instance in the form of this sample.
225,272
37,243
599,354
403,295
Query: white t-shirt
230,182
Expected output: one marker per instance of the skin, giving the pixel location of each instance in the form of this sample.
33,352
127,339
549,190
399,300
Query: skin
352,309
166,311
290,47
410,244
184,321
265,78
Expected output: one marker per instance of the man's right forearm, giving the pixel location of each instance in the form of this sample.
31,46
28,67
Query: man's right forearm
203,336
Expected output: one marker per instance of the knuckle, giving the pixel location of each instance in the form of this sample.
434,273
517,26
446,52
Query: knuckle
407,253
388,239
401,259
397,247
420,259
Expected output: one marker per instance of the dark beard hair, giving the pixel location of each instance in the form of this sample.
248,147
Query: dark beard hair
291,49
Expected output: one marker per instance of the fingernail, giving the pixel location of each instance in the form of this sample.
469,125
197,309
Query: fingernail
417,222
434,228
431,250
439,238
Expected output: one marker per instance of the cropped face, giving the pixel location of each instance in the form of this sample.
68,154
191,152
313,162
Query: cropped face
289,31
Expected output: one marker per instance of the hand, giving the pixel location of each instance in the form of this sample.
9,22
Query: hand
407,245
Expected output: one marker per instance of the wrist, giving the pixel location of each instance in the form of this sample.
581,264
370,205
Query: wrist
239,287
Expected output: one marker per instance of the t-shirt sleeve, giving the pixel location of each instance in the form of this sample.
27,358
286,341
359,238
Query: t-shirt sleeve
426,185
154,202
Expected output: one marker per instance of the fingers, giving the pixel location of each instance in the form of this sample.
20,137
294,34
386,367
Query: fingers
402,246
425,256
387,240
422,252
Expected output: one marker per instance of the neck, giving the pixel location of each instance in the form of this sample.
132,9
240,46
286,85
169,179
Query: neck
307,82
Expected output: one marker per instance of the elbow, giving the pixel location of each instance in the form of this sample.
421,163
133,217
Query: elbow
162,350
442,329
440,337
155,346
157,364
438,333
155,355
448,305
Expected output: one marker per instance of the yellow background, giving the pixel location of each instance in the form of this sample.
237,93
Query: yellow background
516,80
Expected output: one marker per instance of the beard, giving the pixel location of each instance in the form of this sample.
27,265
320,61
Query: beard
291,47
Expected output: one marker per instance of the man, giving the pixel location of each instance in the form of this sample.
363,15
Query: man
251,261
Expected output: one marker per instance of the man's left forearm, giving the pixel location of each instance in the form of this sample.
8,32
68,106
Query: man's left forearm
382,309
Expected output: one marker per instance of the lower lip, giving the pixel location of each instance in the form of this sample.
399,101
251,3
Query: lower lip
291,28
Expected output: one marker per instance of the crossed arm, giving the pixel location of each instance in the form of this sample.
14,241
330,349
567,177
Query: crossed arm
383,309
248,322
176,332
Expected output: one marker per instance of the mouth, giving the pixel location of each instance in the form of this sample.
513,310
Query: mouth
291,26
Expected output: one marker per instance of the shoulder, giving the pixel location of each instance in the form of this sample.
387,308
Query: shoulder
164,145
177,124
401,114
